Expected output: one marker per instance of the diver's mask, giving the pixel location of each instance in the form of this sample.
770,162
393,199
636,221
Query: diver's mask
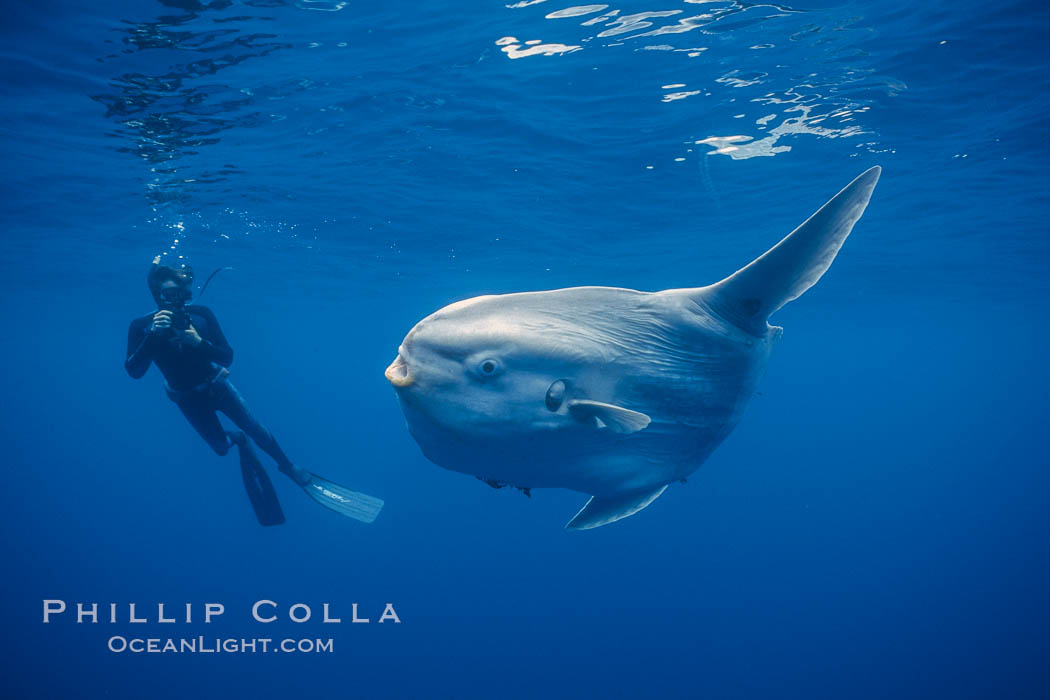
173,298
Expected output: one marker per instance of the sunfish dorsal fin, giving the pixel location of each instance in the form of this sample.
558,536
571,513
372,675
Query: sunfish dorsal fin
750,295
608,509
614,418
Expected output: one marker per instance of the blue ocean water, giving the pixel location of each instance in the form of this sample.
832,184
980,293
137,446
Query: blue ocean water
875,527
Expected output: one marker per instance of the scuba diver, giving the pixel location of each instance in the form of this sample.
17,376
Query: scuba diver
185,342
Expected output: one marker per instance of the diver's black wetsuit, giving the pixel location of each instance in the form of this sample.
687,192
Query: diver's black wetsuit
197,380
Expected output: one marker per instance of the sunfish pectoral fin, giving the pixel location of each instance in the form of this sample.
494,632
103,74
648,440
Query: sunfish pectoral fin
602,510
614,418
750,295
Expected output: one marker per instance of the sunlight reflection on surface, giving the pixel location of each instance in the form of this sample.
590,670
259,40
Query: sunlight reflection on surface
804,64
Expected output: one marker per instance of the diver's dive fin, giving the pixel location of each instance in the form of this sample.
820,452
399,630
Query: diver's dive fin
260,489
342,500
615,418
748,296
608,509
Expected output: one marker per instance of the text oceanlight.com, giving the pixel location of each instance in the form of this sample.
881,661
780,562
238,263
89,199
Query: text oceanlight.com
215,645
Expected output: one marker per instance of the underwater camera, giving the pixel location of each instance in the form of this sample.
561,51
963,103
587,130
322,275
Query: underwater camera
180,320
174,300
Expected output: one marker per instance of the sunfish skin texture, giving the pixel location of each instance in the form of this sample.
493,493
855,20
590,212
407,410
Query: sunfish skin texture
612,392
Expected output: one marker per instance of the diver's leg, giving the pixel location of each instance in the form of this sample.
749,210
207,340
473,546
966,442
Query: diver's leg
230,402
331,495
199,410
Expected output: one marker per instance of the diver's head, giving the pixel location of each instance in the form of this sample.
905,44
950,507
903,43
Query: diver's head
170,286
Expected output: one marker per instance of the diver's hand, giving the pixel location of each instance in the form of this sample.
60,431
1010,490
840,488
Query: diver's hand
189,337
161,322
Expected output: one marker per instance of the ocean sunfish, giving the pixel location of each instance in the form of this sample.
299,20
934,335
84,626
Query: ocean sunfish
612,392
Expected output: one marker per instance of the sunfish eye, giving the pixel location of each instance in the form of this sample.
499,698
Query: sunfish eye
488,367
555,395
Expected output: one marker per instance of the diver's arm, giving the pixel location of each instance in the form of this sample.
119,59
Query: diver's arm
141,346
213,342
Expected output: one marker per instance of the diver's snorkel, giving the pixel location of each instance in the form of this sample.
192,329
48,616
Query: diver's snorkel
214,272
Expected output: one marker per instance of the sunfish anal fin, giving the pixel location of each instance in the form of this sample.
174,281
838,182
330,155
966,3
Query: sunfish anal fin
608,416
608,509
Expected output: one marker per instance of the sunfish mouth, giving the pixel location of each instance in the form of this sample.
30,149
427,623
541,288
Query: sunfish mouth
397,373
